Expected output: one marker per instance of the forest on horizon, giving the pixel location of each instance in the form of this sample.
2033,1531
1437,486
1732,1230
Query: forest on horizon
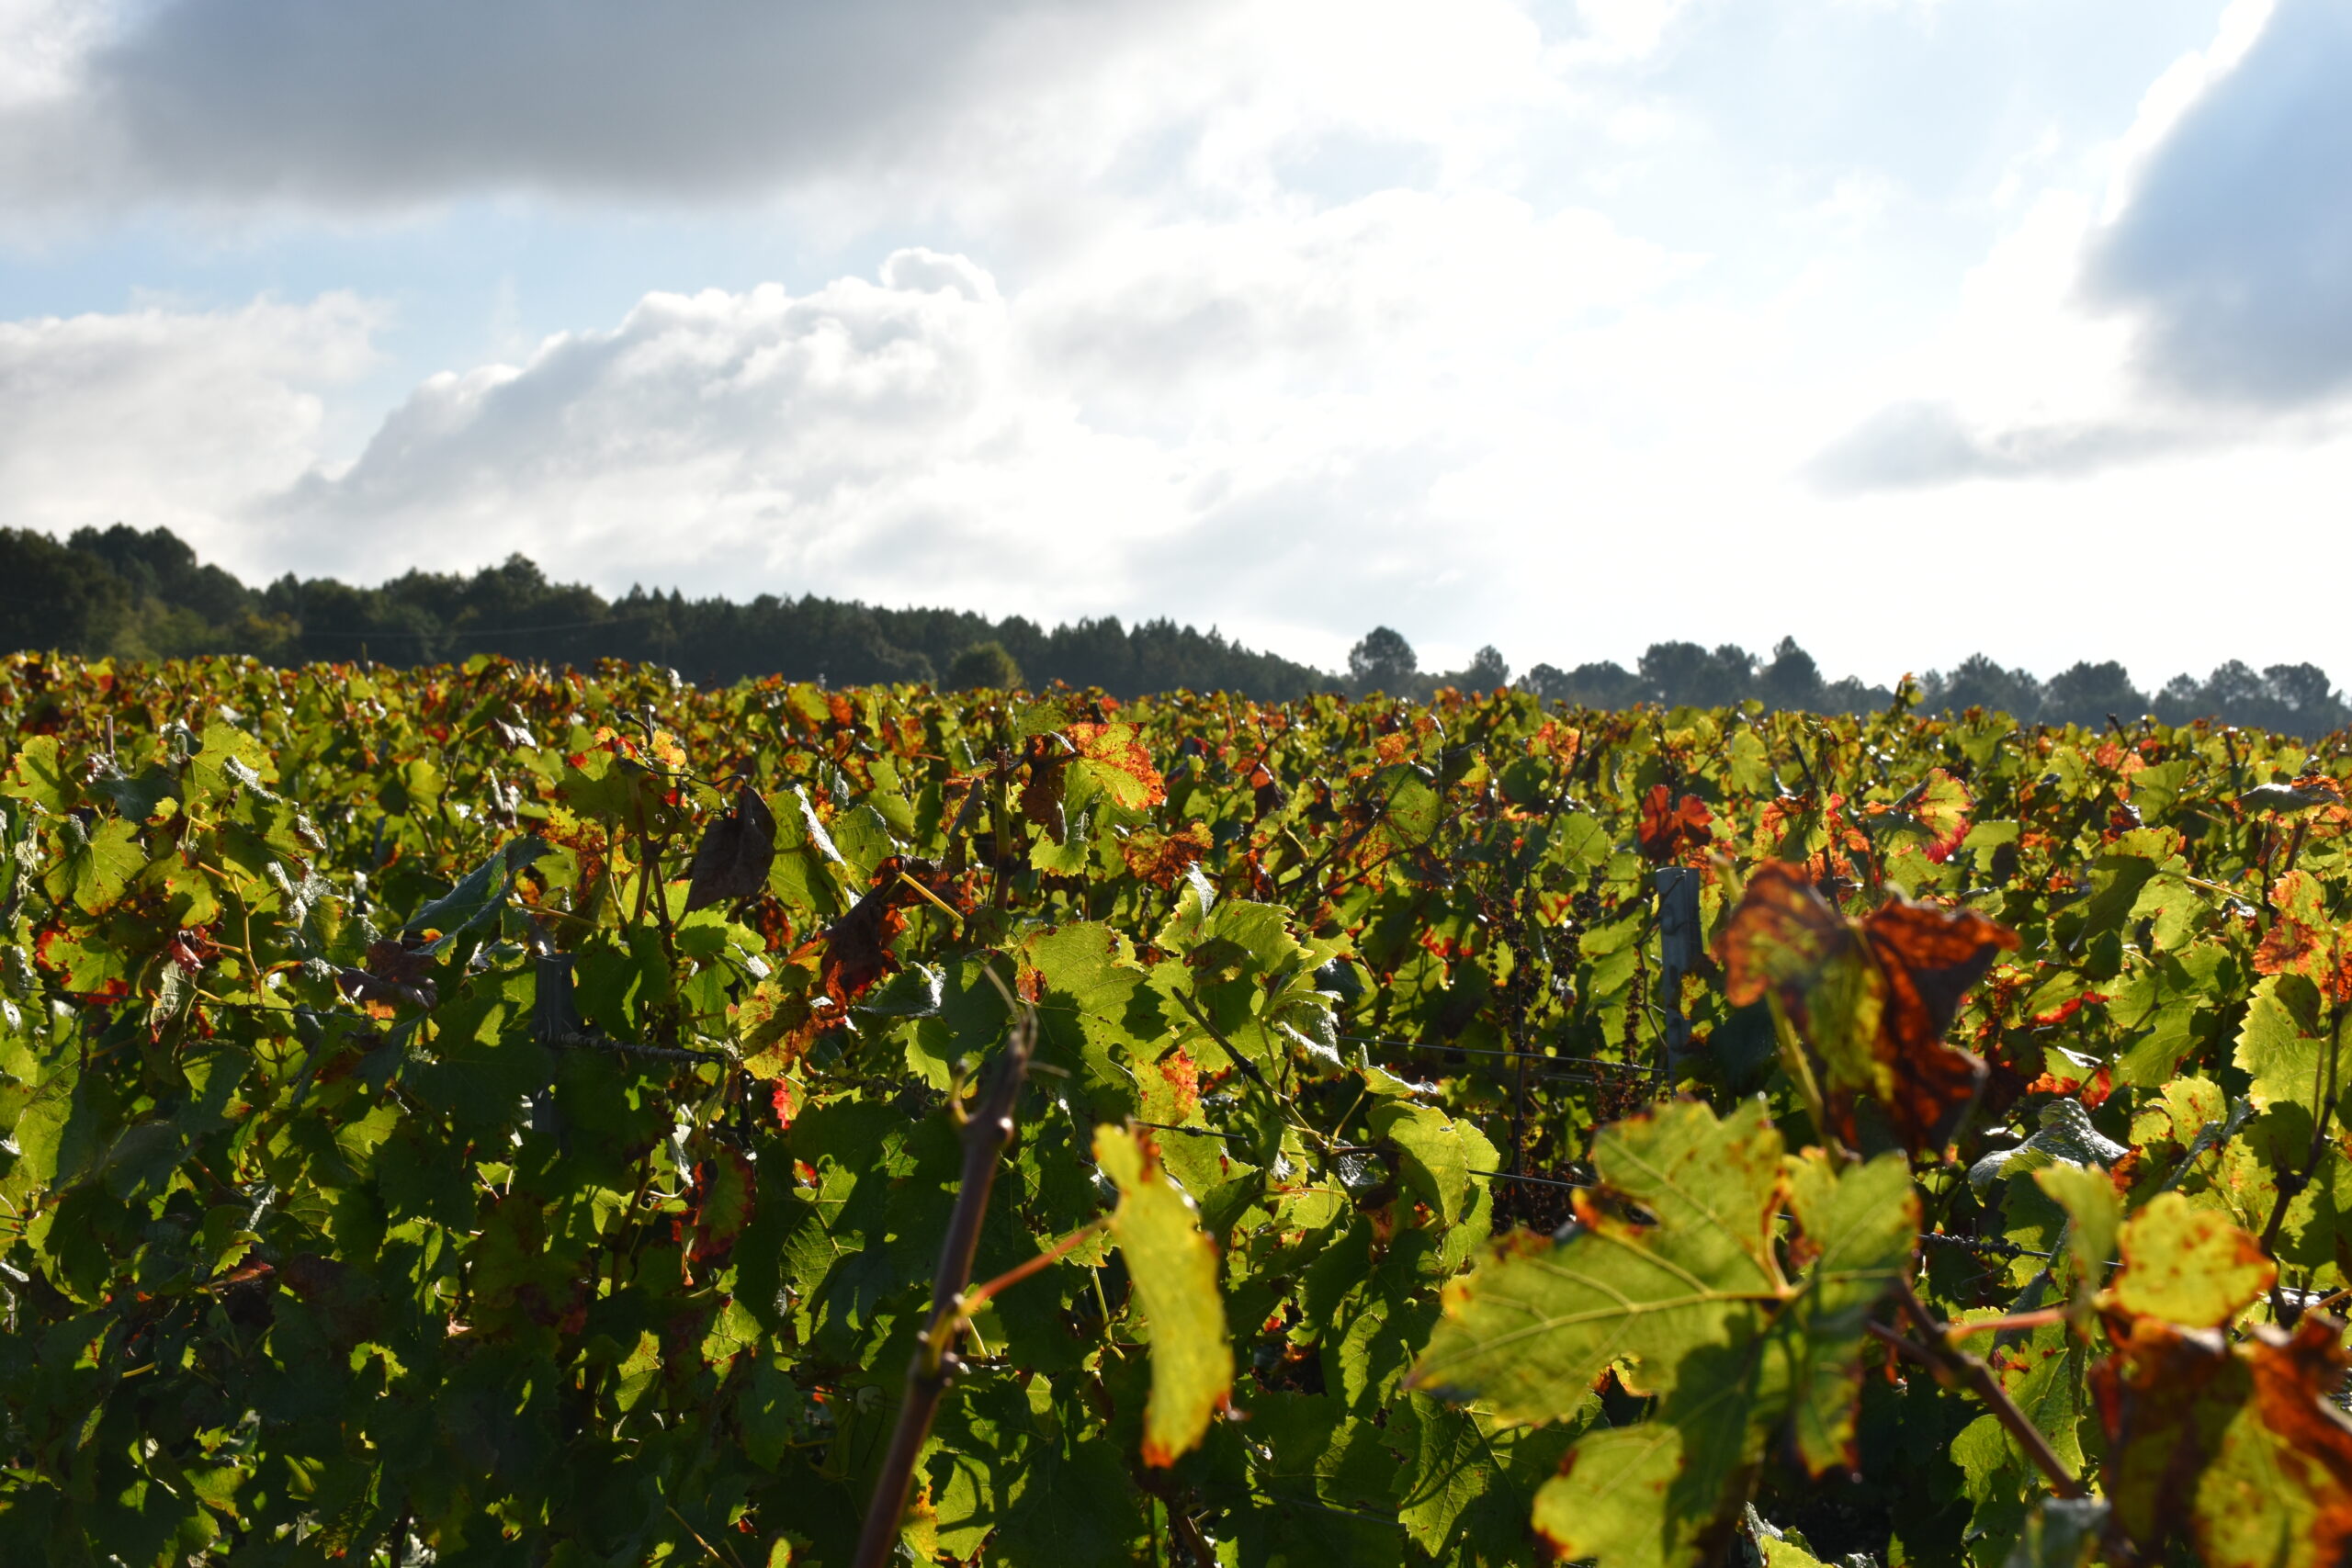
133,593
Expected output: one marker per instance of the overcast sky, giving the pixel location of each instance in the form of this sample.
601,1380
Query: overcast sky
1910,328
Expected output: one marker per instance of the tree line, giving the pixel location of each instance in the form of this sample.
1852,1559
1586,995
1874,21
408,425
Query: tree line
130,593
143,595
2293,699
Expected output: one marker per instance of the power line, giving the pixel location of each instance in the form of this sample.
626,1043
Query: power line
1535,1059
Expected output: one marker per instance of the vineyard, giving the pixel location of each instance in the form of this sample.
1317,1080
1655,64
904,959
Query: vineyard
488,1115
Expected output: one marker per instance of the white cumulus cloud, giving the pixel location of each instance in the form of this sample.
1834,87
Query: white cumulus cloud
1243,422
172,417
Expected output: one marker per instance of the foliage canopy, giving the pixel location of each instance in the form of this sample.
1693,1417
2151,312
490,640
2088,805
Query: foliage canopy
521,1116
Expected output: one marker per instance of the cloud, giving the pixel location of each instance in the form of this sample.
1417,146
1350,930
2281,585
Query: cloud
40,43
863,432
2232,245
1620,31
2210,305
372,102
893,104
1248,422
164,416
1917,444
1151,320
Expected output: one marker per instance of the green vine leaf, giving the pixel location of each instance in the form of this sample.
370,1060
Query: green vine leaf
1673,1279
1531,1329
2061,1532
1173,1268
2281,1045
97,865
1435,1156
1858,1226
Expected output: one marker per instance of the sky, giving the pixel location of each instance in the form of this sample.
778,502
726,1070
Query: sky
1908,328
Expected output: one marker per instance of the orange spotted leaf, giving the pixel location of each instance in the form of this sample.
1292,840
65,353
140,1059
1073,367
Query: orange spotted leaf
2232,1448
1161,859
1115,755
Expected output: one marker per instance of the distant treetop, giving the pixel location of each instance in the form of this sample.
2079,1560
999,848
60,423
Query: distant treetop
2293,699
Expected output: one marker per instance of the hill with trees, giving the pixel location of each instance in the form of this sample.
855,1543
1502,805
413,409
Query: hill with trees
145,594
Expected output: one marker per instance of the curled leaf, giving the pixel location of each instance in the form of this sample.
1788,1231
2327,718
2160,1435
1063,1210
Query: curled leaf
2065,1137
2287,799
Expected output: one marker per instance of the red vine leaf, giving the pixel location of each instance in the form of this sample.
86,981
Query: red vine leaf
1041,793
1671,827
394,971
857,946
726,1192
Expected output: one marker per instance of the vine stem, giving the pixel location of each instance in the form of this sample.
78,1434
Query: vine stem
981,1293
986,1130
1951,1366
2014,1321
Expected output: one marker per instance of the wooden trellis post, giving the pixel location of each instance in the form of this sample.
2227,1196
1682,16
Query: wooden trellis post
1677,946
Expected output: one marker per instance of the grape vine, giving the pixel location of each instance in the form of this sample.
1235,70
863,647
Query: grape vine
489,1114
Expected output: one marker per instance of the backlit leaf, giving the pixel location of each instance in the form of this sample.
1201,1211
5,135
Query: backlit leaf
1173,1268
2281,1046
1670,828
1691,1305
2187,1265
1435,1162
1115,756
2235,1447
1856,1227
1872,998
2094,1214
37,774
1531,1329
